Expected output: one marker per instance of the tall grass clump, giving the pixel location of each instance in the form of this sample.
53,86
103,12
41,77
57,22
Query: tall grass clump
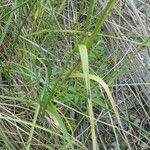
74,75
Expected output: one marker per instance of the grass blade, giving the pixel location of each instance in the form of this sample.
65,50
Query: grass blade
33,127
53,110
100,22
89,15
85,67
7,25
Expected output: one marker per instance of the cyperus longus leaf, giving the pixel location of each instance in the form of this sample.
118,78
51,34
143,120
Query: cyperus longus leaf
85,67
85,64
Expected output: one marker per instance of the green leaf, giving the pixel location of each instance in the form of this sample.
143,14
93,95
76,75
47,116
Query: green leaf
33,127
66,135
85,67
85,64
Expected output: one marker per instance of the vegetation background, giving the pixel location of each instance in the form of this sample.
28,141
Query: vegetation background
75,74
